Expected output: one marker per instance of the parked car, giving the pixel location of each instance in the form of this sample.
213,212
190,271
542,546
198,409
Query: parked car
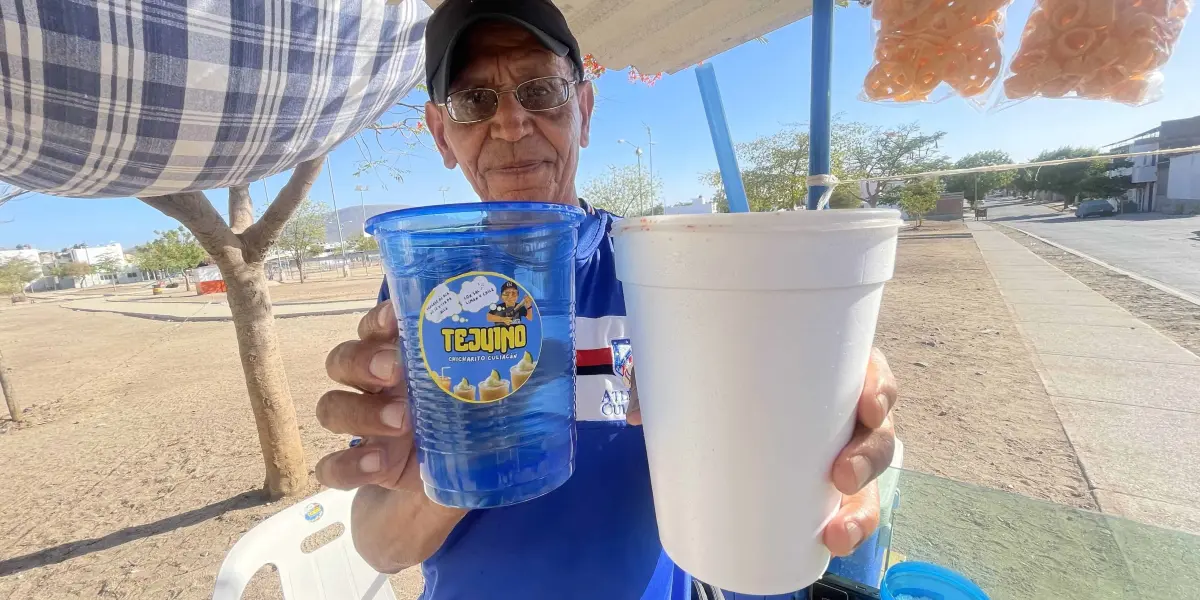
1095,208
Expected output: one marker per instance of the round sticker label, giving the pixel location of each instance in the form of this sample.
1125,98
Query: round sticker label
481,336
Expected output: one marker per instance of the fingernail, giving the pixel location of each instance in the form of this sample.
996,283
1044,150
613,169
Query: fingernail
393,415
862,470
385,317
383,365
855,533
882,400
371,462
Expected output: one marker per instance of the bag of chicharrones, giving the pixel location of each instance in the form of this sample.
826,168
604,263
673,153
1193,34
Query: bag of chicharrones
1098,49
928,50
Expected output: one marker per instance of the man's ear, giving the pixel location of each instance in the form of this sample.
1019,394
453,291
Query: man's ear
436,120
587,103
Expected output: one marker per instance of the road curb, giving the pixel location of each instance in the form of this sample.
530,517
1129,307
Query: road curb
1162,287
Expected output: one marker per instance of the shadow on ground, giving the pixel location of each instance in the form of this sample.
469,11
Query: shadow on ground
69,550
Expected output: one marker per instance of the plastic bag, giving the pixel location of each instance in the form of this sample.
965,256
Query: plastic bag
921,44
1098,49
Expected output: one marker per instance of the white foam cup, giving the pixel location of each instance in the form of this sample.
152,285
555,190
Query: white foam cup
751,334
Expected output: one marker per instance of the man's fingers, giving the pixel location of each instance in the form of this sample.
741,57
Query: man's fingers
879,391
341,411
379,324
368,366
868,454
353,467
854,522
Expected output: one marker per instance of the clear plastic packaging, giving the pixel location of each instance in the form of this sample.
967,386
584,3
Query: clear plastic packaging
1097,49
923,46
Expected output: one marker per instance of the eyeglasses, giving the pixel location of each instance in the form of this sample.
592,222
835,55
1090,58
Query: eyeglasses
536,95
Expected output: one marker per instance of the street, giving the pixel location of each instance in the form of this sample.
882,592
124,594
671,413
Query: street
1161,247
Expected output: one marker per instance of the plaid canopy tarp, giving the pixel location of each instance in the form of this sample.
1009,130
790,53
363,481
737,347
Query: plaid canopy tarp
106,98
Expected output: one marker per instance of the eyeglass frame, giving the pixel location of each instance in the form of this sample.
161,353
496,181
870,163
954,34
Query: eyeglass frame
571,83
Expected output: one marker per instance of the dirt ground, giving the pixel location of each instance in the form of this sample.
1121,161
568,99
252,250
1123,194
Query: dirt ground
1173,317
141,466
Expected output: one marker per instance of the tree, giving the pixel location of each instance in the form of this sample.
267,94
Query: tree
626,190
73,270
774,172
844,196
174,250
10,393
1089,179
867,151
366,243
110,264
304,234
239,248
968,183
15,273
10,192
919,196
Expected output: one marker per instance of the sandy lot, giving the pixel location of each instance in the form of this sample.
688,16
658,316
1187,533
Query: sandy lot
141,466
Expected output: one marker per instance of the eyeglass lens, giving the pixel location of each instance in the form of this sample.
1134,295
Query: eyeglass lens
478,104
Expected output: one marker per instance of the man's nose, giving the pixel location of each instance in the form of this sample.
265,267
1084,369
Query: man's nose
512,121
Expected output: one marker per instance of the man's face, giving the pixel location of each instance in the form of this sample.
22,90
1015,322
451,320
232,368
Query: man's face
509,297
517,154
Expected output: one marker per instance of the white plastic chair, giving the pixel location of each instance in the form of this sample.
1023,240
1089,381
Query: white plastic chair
334,571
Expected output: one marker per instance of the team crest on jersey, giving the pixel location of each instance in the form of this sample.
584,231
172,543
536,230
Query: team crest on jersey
623,361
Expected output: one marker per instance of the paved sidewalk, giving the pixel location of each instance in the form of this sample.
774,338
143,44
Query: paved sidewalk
1126,394
211,311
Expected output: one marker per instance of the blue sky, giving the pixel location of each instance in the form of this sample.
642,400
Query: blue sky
760,97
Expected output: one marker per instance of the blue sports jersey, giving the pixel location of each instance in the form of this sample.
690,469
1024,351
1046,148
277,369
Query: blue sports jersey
594,537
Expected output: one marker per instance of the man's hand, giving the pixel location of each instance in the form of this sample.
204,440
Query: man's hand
395,524
868,454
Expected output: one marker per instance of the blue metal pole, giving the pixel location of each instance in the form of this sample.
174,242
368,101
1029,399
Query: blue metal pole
718,128
822,80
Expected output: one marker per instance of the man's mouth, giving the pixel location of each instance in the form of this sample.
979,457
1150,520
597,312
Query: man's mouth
519,168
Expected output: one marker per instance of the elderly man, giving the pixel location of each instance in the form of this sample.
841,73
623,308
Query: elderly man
511,107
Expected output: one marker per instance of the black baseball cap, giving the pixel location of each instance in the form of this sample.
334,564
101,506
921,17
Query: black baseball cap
453,18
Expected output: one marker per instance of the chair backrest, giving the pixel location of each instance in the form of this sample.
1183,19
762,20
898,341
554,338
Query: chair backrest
334,571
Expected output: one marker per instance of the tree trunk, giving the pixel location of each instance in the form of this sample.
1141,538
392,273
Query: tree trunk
10,393
275,414
187,283
300,267
239,249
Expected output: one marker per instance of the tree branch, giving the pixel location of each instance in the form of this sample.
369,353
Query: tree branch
241,208
259,236
195,212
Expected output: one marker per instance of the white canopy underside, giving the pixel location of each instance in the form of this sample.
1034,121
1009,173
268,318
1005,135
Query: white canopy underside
671,35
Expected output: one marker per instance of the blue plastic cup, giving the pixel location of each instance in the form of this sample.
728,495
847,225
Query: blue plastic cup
925,581
485,297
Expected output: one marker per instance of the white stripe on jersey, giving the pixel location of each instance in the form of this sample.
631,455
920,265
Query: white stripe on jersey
599,397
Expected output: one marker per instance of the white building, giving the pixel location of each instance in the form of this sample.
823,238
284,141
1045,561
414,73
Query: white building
696,207
28,254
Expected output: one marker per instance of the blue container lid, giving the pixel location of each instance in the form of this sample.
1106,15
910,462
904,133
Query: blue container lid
516,217
925,581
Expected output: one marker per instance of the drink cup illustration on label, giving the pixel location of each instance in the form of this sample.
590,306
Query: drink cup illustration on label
481,335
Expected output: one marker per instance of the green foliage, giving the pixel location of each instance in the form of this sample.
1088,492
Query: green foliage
109,264
174,250
626,190
15,273
844,196
968,183
775,167
366,243
71,269
304,234
1079,180
920,196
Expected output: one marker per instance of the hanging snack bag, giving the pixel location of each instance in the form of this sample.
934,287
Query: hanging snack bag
1097,49
921,44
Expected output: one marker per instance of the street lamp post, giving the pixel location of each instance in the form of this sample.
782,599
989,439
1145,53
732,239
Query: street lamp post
637,150
363,203
443,190
337,217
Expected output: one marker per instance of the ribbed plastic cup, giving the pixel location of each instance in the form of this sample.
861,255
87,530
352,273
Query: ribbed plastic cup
485,297
751,334
920,581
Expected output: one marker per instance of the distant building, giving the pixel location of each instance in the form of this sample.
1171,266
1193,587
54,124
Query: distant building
27,254
1165,184
696,207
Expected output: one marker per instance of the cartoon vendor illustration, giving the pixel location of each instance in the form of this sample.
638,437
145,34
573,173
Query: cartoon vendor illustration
512,309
